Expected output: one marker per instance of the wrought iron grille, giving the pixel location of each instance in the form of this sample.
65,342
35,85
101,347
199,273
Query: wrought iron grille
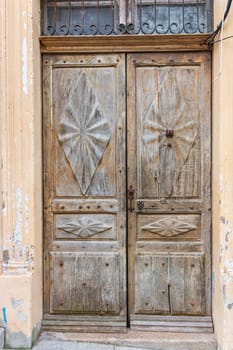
114,17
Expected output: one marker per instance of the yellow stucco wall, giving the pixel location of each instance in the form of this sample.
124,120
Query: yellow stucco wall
223,181
20,145
21,229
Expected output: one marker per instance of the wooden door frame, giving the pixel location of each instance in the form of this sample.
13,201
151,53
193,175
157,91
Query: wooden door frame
124,44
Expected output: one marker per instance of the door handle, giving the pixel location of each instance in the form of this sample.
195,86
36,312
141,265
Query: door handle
131,192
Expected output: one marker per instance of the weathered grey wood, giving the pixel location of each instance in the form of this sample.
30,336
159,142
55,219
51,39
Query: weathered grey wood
168,155
168,227
84,190
85,245
85,283
200,319
186,276
182,274
100,226
151,284
169,151
130,43
165,103
84,130
105,327
96,205
170,246
189,324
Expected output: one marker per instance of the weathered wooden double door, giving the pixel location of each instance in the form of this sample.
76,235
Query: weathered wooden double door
127,191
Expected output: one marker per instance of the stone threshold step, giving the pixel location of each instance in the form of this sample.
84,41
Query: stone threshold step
132,340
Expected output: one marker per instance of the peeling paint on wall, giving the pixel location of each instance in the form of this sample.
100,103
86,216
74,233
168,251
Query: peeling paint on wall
213,282
18,305
24,66
17,251
18,225
229,271
220,183
26,200
226,261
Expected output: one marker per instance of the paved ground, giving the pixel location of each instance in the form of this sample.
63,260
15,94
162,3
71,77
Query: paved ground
131,341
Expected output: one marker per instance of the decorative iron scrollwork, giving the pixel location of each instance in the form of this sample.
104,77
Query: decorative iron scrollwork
102,17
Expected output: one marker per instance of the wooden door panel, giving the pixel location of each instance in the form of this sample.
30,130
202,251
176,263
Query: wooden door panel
187,279
169,153
151,284
79,227
85,129
84,196
67,184
169,227
84,283
169,284
168,166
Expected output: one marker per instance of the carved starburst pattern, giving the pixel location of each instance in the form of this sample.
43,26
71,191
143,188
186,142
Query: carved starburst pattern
169,227
170,121
84,227
83,131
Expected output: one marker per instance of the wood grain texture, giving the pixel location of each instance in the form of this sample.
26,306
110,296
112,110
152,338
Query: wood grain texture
84,184
169,227
100,226
179,324
151,284
85,283
119,43
165,104
85,129
169,284
169,154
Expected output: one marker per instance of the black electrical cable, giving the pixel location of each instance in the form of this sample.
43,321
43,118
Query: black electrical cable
223,39
211,38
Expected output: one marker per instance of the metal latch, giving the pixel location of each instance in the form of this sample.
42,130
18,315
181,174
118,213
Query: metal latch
140,205
131,192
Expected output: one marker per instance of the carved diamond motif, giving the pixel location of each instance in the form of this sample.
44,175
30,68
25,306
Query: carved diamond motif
83,132
169,227
84,227
169,122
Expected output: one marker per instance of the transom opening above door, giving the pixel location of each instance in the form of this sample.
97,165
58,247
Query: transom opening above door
116,17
